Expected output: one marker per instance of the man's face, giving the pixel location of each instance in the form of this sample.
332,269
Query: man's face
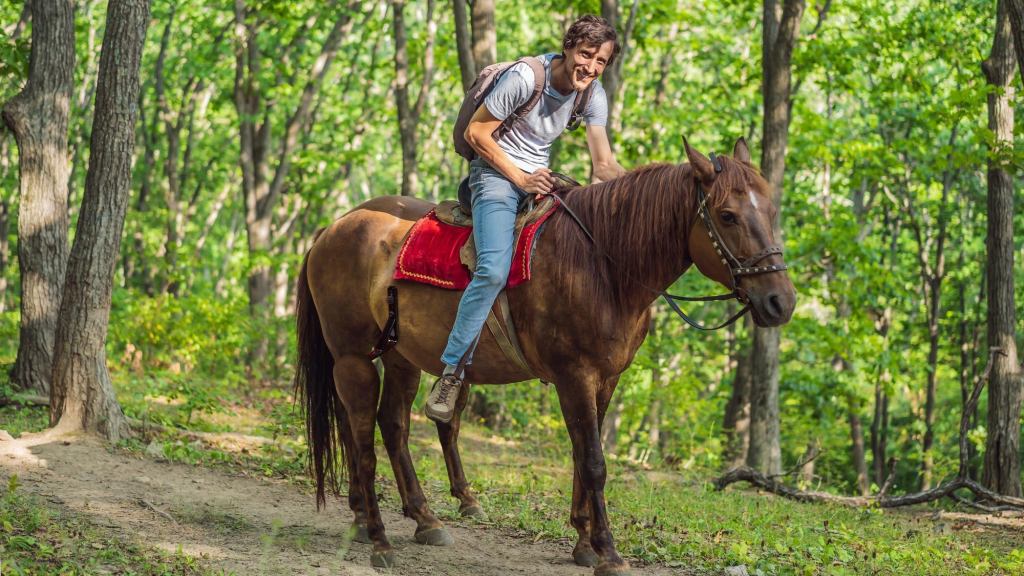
587,62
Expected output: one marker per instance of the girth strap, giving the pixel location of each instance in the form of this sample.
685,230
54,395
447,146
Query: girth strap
505,335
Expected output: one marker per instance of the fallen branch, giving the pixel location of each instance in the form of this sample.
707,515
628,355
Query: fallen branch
962,481
147,504
147,426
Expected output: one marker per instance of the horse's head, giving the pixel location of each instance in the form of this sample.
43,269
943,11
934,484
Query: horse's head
732,240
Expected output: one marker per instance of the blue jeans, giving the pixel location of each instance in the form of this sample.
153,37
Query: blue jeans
495,203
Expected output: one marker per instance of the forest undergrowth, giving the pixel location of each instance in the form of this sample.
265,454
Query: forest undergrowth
660,515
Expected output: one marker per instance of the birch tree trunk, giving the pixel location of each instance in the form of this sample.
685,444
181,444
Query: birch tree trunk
38,116
82,397
779,32
1002,471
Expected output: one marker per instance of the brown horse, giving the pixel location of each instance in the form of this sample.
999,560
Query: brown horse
580,321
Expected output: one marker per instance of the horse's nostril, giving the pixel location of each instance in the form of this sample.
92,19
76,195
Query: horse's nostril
774,306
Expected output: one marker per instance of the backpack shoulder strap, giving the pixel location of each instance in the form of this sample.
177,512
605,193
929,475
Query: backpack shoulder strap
539,79
579,107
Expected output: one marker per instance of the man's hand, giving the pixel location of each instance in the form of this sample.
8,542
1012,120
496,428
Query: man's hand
539,182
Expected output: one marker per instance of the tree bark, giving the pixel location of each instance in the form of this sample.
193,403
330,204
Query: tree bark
39,116
82,396
857,442
612,78
736,422
408,113
879,433
464,44
4,251
1015,11
779,31
485,37
1002,471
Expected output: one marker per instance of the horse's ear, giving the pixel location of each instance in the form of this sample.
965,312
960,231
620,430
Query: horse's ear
702,167
740,151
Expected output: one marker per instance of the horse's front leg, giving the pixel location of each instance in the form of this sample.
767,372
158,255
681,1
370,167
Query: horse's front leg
583,554
579,400
448,434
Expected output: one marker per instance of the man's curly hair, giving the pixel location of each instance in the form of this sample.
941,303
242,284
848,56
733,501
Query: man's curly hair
594,31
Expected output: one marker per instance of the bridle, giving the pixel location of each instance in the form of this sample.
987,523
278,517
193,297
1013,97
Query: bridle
737,268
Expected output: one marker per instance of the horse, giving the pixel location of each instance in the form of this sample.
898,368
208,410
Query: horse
580,321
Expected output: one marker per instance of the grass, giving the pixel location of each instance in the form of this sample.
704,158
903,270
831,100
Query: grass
17,419
682,521
658,516
38,539
666,517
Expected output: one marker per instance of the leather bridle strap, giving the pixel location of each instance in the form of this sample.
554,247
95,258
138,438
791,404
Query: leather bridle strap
737,269
671,299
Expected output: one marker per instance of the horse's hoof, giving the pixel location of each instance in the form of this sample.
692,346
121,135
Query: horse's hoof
360,533
434,537
584,555
473,511
382,559
609,569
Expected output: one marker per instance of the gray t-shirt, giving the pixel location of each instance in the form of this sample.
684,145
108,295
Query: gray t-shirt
528,143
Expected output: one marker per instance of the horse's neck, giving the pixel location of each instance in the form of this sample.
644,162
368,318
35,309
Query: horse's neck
647,242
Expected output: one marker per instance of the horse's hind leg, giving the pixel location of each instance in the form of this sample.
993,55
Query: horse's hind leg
448,434
355,493
358,386
401,381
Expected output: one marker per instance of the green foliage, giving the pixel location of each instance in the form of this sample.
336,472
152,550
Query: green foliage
881,89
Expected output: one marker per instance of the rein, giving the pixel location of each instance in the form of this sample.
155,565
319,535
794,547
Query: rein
737,268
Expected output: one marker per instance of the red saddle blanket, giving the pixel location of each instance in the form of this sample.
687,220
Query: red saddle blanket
430,253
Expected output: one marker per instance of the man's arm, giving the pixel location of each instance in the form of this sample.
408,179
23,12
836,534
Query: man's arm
478,134
605,165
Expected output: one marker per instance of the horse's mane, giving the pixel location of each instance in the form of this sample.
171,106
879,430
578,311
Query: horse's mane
641,220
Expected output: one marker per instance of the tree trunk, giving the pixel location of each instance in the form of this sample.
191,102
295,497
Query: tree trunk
612,77
1002,472
736,422
1015,11
610,427
82,396
779,31
464,44
4,251
38,116
857,442
409,113
879,434
934,308
485,38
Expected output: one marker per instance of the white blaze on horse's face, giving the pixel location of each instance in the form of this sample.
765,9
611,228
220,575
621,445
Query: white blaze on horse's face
753,199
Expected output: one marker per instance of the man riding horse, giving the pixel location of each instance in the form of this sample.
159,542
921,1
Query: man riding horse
515,164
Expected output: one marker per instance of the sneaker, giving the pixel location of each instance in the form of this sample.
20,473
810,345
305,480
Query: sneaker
440,404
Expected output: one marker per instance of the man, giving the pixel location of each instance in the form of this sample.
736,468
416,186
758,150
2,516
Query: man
516,165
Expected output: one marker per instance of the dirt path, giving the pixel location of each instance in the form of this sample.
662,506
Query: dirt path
253,526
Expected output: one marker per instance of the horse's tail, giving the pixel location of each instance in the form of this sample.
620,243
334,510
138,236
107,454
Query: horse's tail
314,386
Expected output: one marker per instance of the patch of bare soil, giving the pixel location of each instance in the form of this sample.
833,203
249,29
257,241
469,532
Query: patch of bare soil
252,526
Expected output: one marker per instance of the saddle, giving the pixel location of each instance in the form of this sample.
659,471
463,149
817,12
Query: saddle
452,212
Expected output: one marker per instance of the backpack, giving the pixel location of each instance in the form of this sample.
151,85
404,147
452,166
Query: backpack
482,86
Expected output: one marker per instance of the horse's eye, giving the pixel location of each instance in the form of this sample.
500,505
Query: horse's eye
728,217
